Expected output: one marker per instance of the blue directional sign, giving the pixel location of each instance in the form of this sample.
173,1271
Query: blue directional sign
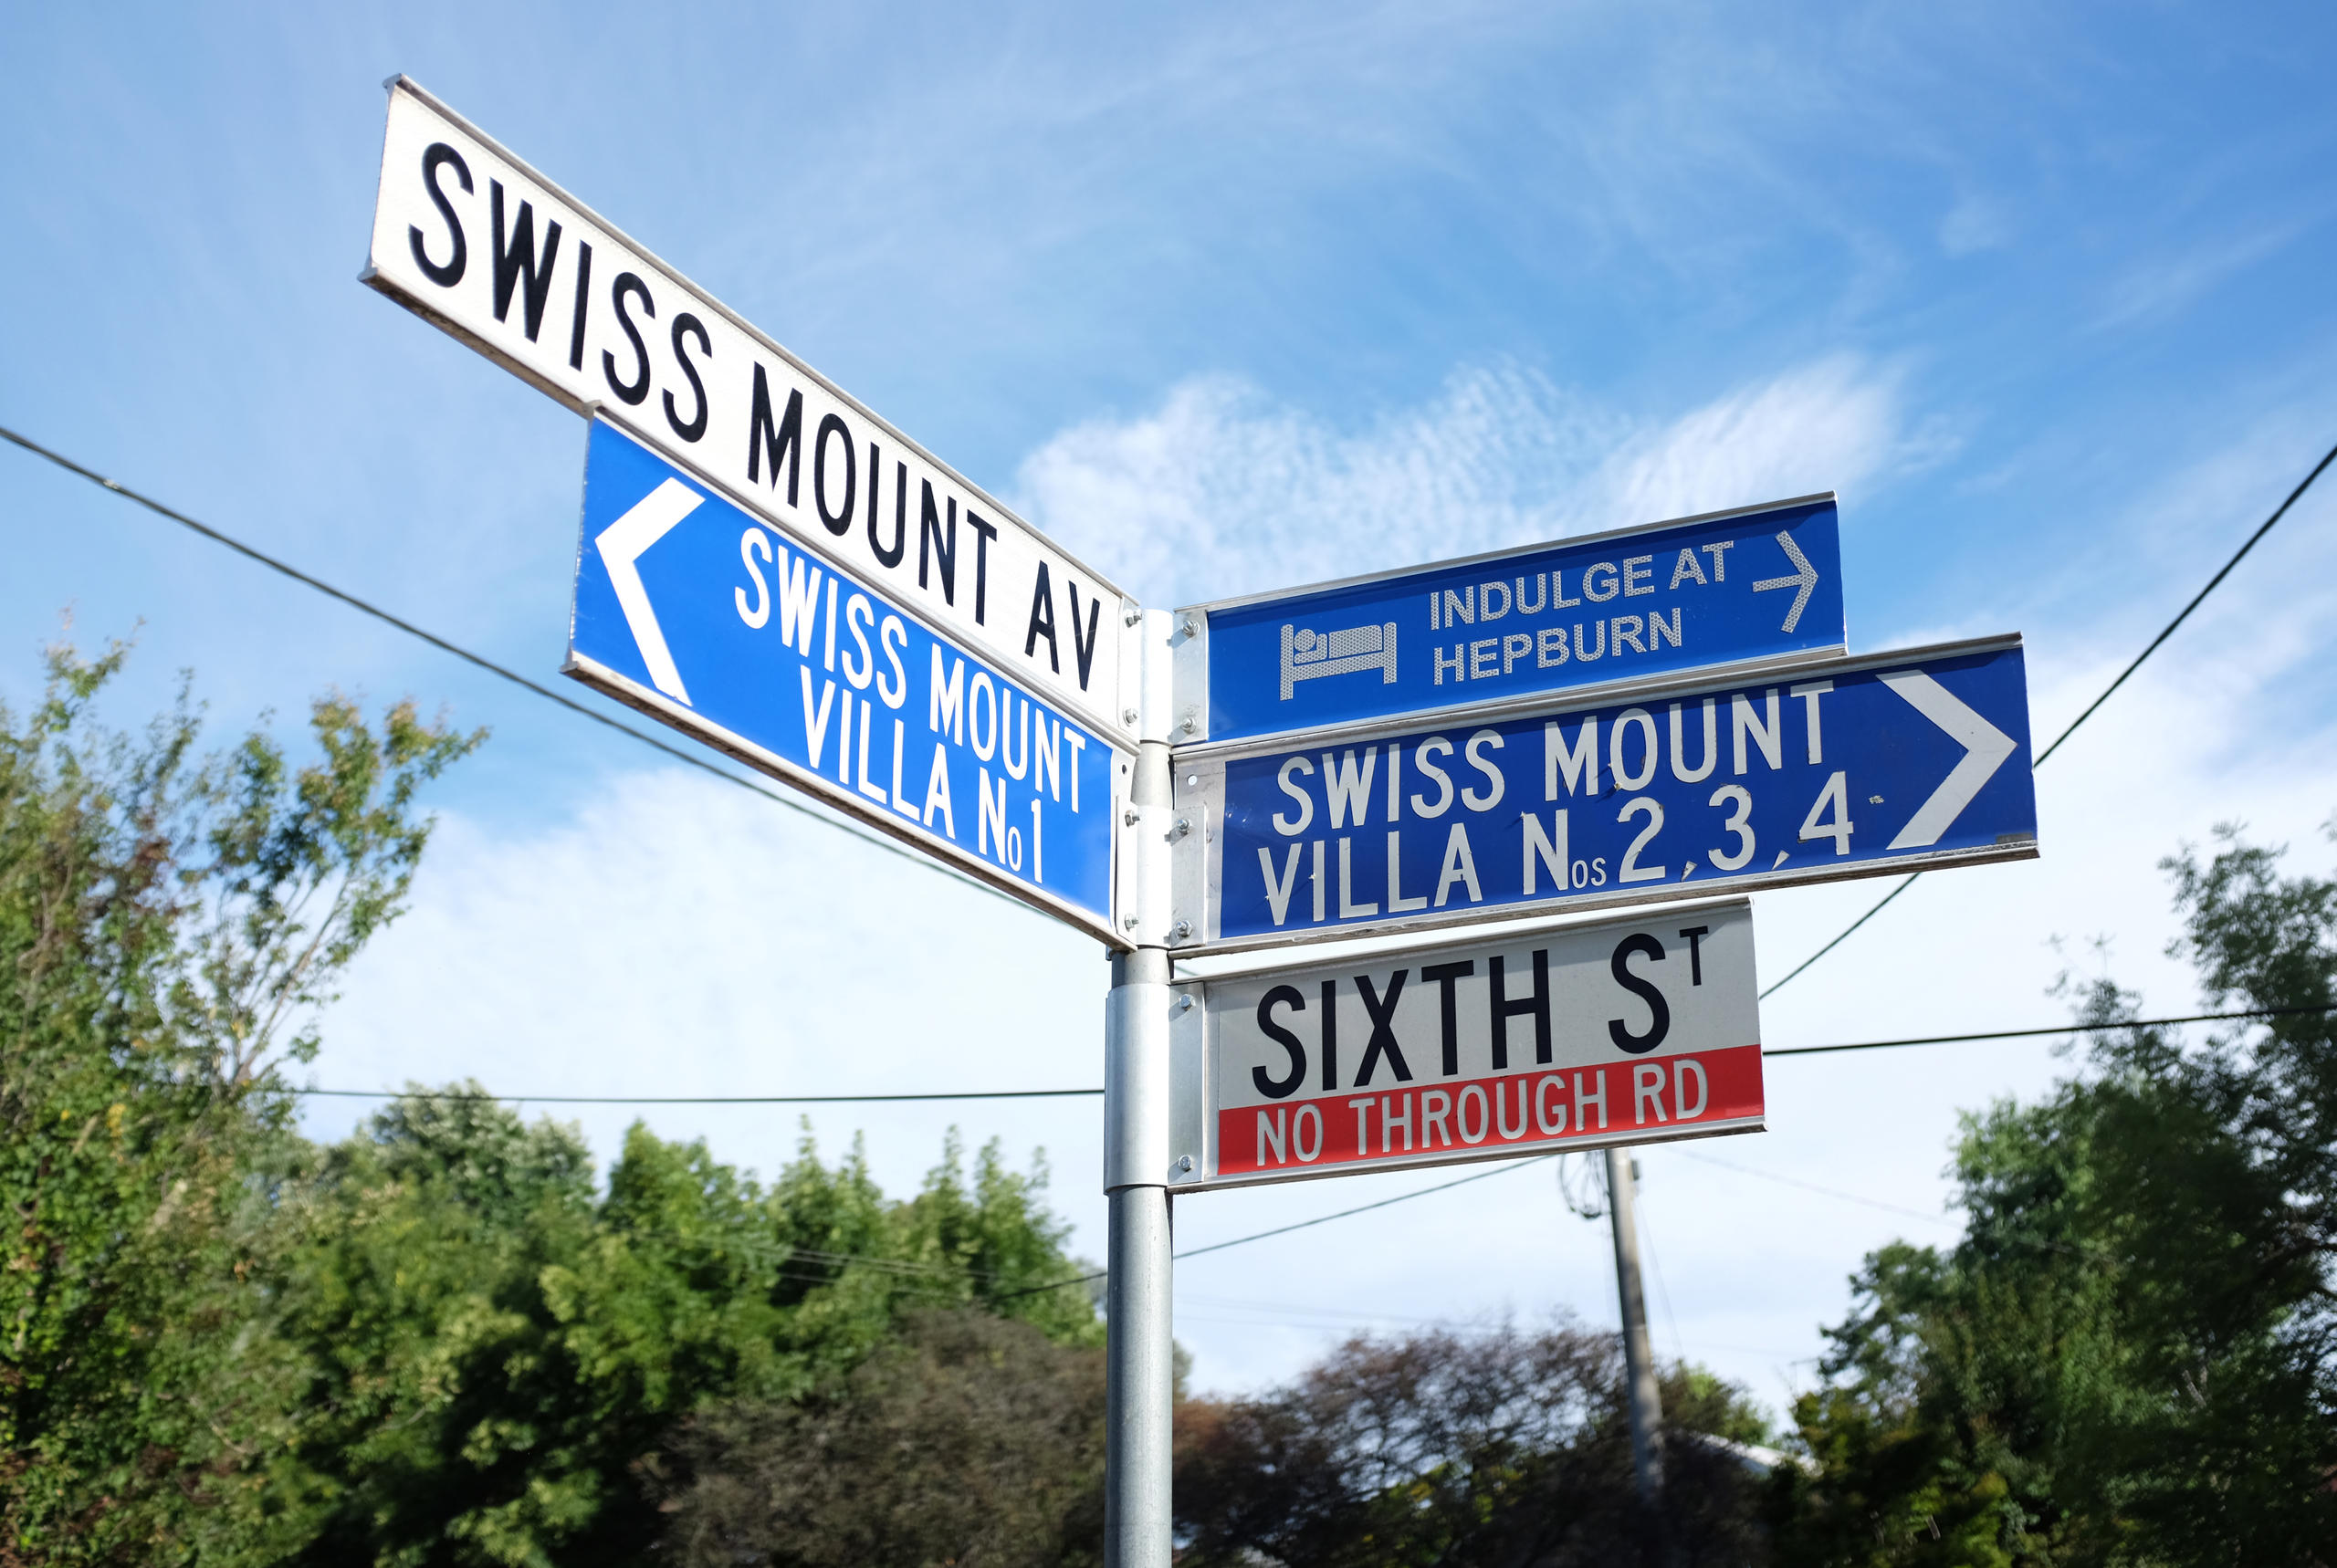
704,616
1846,768
1719,591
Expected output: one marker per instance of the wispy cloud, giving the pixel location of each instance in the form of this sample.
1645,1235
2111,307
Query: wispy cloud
1220,491
2165,285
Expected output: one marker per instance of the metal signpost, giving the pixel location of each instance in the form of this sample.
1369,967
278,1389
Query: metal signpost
1579,1037
769,567
1643,716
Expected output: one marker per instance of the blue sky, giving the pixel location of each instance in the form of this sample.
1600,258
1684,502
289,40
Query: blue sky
1228,297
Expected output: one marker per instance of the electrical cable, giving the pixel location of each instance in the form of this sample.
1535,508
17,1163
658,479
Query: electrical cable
2164,633
1503,1169
501,671
1813,1186
2056,1028
481,1095
515,678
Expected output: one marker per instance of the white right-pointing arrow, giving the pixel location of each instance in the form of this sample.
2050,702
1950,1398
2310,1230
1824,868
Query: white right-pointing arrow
1985,750
1804,578
621,545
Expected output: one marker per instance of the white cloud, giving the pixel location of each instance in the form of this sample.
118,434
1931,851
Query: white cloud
1977,222
1221,492
2165,285
682,937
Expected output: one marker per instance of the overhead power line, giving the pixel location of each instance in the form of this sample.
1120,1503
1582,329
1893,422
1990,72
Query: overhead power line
503,672
2056,1028
463,1094
2164,633
1502,1169
481,1095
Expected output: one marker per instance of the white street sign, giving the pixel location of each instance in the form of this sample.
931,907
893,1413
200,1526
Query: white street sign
469,237
1630,1032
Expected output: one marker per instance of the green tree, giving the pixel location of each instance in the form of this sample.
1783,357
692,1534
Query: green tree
442,1339
168,925
499,1354
964,1438
2129,1357
1455,1449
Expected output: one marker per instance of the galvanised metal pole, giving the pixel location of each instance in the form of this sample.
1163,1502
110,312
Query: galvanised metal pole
1638,1359
1140,1345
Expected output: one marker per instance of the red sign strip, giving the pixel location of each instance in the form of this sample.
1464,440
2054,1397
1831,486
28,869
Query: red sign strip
1638,1101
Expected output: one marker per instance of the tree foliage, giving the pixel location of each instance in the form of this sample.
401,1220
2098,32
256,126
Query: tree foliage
443,1340
2129,1357
164,919
967,1439
497,1354
1496,1448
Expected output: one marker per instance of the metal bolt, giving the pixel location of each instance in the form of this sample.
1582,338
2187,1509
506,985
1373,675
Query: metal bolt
1132,616
1185,1004
1129,922
1192,723
1127,716
1132,816
1184,825
1184,1162
1179,932
1190,626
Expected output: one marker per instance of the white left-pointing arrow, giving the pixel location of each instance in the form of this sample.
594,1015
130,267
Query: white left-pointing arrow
1985,750
622,544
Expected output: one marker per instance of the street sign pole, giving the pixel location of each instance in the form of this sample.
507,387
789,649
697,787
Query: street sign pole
1638,1358
1139,1331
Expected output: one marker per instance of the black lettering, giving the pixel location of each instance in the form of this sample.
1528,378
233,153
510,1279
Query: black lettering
1539,1004
983,534
1084,646
1445,975
694,427
1043,620
1280,1088
1383,1031
635,390
517,262
583,298
931,544
1695,936
1659,1010
1330,1035
785,442
839,520
892,557
446,276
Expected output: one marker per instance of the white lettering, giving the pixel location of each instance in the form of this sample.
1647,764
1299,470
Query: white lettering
1645,721
1483,800
1285,825
1460,866
937,793
1578,764
1346,788
752,543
